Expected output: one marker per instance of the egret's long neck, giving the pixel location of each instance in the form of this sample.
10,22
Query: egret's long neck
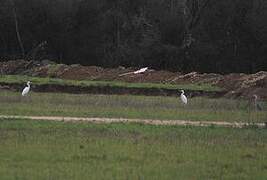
29,85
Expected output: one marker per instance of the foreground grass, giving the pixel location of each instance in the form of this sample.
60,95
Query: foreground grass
122,106
57,150
116,84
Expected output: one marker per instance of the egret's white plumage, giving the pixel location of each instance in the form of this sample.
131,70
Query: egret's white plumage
183,97
140,70
26,90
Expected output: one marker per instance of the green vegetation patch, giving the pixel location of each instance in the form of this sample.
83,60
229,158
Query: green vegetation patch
116,84
56,150
127,106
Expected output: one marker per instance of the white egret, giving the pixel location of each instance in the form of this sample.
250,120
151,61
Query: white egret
140,70
256,104
26,90
183,97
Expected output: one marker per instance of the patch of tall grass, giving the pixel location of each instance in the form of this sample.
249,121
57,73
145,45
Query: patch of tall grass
57,150
126,106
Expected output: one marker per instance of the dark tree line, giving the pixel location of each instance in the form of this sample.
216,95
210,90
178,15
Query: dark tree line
180,35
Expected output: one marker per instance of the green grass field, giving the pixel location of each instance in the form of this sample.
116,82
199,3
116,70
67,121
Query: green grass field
57,150
126,106
116,84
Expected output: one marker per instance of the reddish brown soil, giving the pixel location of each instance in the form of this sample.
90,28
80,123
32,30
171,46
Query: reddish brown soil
236,85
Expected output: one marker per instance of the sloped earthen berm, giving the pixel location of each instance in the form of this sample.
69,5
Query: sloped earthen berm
235,85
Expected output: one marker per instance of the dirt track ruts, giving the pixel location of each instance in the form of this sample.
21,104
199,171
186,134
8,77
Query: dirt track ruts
142,121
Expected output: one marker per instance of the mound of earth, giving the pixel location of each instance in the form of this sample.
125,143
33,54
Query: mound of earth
245,85
237,85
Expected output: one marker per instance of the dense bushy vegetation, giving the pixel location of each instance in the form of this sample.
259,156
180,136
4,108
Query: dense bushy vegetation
181,35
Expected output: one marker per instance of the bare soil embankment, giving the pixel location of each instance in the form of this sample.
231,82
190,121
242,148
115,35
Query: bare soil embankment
236,85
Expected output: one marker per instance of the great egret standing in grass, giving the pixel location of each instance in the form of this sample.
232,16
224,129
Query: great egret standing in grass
183,97
256,104
26,90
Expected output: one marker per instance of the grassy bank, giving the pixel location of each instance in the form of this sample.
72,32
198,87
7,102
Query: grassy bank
11,79
168,108
57,150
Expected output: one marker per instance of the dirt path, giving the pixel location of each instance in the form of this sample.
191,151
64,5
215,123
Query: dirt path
143,121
